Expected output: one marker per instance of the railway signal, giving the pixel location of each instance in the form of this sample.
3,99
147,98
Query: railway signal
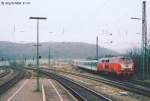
2,59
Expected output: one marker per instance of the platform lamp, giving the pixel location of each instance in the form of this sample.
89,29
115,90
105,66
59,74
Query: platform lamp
37,76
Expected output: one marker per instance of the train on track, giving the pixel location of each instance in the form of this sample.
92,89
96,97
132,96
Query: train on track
120,66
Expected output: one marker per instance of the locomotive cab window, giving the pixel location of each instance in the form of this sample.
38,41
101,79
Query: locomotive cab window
107,60
126,60
103,60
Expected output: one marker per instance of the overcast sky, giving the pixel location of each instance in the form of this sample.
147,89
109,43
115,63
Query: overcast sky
75,20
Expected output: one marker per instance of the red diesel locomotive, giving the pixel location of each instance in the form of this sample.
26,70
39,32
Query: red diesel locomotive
121,66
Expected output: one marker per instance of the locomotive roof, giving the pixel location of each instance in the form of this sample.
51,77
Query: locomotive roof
117,57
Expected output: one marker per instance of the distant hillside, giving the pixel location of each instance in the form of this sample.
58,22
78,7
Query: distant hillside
58,50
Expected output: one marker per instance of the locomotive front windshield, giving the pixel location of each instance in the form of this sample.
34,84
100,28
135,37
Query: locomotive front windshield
126,60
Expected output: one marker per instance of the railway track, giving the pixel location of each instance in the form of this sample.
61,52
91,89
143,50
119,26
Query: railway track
7,71
132,87
8,84
81,93
123,85
145,84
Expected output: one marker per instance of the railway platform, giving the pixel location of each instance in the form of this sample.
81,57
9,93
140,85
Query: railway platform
25,91
22,91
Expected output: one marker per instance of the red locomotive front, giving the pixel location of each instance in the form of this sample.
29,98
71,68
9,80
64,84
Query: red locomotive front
121,66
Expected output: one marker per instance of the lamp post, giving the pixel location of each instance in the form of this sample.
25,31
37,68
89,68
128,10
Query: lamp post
37,76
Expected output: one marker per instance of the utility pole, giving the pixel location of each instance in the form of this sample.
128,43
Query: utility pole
144,47
37,76
144,40
97,55
49,59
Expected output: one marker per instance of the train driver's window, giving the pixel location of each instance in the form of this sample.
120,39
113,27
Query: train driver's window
107,60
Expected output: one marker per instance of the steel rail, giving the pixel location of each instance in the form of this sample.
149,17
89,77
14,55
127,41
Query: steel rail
82,93
129,86
139,89
4,73
8,84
